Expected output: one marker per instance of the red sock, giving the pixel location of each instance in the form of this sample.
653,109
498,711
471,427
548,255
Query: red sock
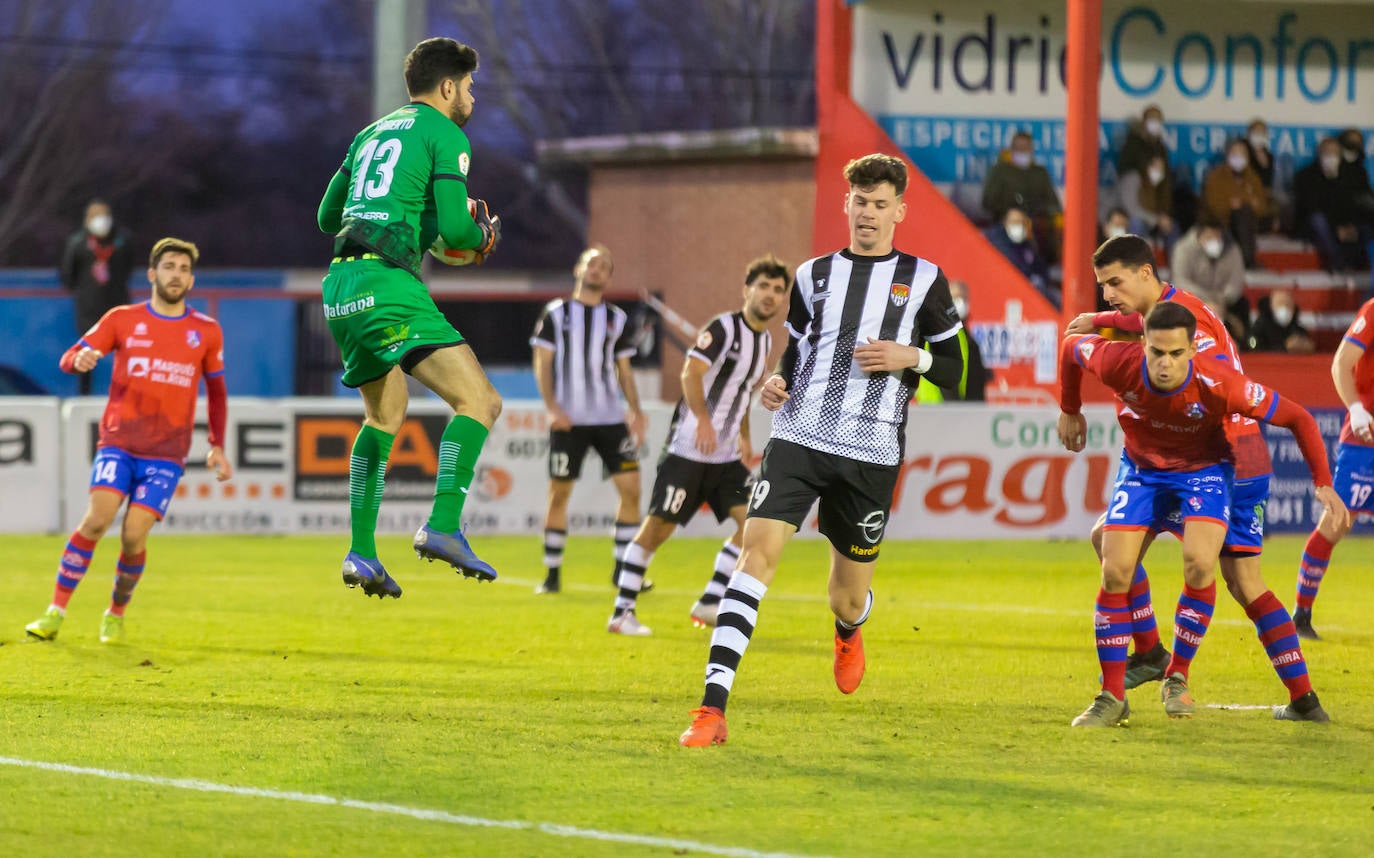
1316,556
76,558
1280,640
1144,630
1191,619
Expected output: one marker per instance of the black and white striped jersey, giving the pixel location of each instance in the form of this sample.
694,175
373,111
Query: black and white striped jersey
736,355
840,301
585,340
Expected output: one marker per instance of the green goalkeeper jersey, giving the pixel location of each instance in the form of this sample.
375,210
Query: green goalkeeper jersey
394,170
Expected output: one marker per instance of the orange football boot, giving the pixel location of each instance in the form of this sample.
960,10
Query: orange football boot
849,662
708,728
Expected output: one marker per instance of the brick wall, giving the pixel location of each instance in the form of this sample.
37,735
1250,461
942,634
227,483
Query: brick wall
688,229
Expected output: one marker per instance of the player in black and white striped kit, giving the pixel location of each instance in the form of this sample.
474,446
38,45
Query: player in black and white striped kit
582,350
708,443
841,398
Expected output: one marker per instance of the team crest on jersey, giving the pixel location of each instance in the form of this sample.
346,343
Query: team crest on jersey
704,339
193,339
1254,393
1194,411
900,293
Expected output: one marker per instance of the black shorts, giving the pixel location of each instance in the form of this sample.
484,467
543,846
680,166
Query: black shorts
567,449
683,485
855,496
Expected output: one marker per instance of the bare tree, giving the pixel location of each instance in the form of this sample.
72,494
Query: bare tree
62,110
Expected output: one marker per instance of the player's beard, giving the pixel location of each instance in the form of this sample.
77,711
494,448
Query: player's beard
169,294
458,115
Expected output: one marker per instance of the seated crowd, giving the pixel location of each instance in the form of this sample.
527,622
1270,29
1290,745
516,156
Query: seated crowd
1209,236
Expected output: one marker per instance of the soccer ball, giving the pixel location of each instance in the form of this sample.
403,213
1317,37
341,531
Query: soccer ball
449,255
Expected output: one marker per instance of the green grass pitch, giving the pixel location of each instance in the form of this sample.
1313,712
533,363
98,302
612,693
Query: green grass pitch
249,665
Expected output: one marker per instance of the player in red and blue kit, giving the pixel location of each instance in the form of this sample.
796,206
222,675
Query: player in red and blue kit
1352,369
161,350
1176,456
1124,267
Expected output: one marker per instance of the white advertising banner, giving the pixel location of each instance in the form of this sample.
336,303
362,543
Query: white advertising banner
30,464
970,472
952,82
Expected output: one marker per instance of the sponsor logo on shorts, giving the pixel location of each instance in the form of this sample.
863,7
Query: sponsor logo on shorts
394,336
341,309
863,552
872,526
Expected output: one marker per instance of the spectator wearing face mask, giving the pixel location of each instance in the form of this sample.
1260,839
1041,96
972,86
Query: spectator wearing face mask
95,267
1276,327
1327,195
1019,181
972,385
1207,264
1013,239
1261,158
1233,194
1148,198
1144,142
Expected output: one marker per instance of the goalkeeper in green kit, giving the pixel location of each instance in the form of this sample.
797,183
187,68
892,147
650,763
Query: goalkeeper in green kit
402,188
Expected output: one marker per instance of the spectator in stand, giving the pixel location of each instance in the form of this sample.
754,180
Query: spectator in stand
1148,197
1144,142
1206,263
1352,150
1013,239
1261,158
1233,194
1276,327
95,267
1118,222
1326,197
1019,181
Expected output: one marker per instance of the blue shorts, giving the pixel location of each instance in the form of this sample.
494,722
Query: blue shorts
148,483
1354,478
1144,499
1245,530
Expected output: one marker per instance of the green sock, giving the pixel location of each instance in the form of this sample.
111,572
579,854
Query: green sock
458,451
366,479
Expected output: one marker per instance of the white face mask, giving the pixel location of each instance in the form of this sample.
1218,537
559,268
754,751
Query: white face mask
1331,165
1021,159
1115,230
1212,247
1155,127
99,225
1283,315
1259,140
1238,162
1155,174
1352,155
1016,232
961,307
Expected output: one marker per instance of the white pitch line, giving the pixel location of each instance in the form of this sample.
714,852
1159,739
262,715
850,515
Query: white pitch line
1239,706
550,828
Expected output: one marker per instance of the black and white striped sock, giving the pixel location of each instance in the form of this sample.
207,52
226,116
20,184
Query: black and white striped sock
739,613
624,532
630,576
726,559
554,540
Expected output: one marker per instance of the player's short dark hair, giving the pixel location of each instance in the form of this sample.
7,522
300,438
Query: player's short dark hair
872,170
432,61
770,266
1130,250
1207,220
1168,315
173,245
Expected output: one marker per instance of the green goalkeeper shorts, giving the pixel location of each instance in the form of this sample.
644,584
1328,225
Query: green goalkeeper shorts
378,314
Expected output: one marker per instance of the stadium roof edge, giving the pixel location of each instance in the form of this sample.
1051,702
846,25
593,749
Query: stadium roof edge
680,146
